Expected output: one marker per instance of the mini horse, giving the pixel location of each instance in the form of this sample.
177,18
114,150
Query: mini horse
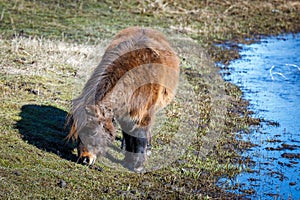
137,76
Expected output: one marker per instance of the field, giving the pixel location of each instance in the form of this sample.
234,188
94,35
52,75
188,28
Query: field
48,49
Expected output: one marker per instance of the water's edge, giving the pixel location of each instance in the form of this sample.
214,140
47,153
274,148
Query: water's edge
268,73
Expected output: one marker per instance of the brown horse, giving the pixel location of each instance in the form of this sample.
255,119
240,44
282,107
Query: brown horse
137,76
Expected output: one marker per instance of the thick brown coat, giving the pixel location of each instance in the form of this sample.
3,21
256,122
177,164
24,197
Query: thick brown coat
138,75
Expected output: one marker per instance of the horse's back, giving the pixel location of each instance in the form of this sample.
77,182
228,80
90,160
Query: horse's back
138,74
153,67
134,33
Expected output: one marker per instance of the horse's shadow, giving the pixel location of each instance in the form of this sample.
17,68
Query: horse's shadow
44,127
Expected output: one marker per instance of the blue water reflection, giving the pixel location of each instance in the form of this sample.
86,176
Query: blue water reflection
269,75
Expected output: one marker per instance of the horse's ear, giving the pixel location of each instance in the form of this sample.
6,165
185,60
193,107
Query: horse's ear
73,133
94,111
90,110
106,112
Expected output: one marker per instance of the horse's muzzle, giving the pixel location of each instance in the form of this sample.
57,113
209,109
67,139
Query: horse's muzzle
87,159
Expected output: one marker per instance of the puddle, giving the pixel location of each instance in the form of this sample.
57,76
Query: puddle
269,75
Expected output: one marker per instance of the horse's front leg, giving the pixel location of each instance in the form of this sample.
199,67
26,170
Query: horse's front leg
149,145
136,147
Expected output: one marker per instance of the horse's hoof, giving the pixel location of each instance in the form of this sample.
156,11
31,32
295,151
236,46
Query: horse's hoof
148,152
139,169
148,149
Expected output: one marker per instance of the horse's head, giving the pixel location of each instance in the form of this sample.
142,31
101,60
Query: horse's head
95,134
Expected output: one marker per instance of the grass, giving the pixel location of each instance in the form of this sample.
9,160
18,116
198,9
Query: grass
48,49
36,94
